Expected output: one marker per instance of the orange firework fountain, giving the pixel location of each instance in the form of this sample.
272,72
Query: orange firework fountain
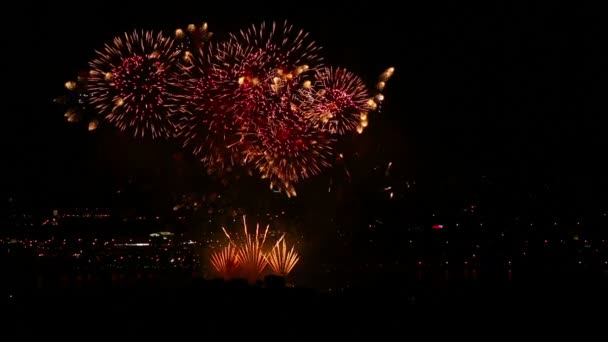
251,255
249,258
225,261
282,260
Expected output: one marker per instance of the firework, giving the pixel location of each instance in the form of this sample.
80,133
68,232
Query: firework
243,94
251,254
340,97
242,74
260,71
214,111
286,47
288,151
133,83
248,85
282,260
265,66
261,99
225,261
248,256
207,131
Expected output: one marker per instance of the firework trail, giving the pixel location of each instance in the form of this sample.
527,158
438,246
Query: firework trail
133,83
375,102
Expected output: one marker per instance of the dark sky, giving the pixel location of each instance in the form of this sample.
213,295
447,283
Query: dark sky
506,91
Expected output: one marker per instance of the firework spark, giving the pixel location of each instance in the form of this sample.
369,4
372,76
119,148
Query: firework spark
192,40
76,101
375,102
244,106
132,83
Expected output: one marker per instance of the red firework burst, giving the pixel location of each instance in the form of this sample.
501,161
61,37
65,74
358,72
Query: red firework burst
260,99
340,97
239,76
287,151
217,105
207,129
286,47
235,90
132,83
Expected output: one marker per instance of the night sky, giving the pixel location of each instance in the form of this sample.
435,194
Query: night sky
506,92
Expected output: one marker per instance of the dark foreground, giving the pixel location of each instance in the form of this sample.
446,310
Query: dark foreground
198,309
